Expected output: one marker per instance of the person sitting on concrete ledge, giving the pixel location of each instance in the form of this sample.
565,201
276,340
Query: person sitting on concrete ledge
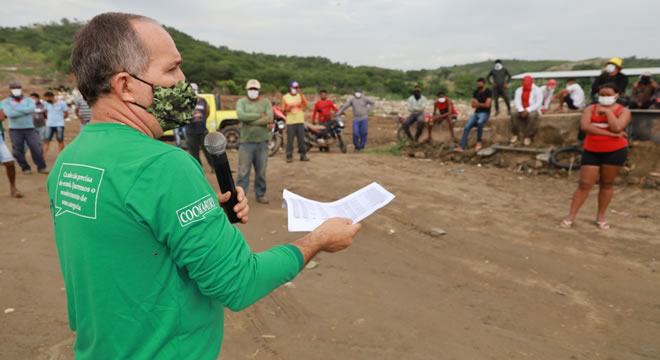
573,96
481,100
644,92
528,100
548,92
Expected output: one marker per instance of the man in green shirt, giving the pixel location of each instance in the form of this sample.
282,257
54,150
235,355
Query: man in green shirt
254,113
148,257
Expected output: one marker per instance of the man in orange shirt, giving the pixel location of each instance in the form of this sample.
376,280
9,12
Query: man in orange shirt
293,105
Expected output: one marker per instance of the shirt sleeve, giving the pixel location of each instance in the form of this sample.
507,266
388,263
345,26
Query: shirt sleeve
242,113
182,210
345,106
517,101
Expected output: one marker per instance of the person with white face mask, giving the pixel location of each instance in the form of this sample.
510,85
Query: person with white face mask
19,110
611,74
293,105
499,79
443,109
254,113
605,152
361,106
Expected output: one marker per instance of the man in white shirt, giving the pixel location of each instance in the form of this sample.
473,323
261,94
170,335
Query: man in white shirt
548,91
528,101
573,96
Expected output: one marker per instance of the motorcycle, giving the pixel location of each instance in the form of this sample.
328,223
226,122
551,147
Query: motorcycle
324,136
275,139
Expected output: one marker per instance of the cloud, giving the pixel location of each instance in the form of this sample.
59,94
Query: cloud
409,34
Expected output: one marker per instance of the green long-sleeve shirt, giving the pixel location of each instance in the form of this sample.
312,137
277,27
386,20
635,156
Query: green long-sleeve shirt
148,256
254,117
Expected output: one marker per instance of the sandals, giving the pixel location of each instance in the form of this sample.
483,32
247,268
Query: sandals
15,194
603,225
566,224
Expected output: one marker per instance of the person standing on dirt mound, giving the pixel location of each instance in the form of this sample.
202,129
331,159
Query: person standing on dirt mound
481,99
148,256
528,100
254,113
197,130
416,106
323,109
361,106
19,109
293,105
605,152
499,79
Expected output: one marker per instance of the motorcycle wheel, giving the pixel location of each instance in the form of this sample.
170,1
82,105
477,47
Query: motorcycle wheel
233,135
274,143
401,135
342,144
563,157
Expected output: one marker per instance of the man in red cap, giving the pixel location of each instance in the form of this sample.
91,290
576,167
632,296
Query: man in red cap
547,91
528,101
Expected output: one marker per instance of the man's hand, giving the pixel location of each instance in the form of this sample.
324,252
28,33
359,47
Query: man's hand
524,114
241,208
506,85
333,235
604,110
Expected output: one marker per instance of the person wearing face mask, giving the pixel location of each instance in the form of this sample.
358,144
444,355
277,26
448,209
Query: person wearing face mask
499,79
196,130
361,106
7,160
293,105
548,93
611,74
39,117
148,256
443,109
416,105
19,109
605,152
481,99
528,100
323,108
643,92
255,113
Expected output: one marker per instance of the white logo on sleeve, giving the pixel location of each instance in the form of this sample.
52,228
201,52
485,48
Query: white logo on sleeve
196,211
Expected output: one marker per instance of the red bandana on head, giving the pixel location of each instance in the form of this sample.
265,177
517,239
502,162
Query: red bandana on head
527,83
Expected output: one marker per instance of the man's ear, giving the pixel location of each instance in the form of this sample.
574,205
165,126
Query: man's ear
123,87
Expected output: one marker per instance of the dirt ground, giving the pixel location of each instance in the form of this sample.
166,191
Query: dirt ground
504,282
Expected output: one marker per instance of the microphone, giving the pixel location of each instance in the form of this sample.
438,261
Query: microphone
215,143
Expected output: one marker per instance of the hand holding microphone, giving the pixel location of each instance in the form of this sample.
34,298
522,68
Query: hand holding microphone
235,203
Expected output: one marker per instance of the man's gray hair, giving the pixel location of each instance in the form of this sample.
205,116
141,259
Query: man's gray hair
105,46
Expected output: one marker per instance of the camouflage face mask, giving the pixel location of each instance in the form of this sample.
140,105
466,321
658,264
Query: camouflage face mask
173,106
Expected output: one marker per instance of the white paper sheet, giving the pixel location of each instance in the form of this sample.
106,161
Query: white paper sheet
307,215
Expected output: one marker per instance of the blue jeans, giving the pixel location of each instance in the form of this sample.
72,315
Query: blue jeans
178,133
479,119
360,130
249,154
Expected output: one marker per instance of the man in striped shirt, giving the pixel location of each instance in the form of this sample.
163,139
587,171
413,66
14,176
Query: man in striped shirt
83,112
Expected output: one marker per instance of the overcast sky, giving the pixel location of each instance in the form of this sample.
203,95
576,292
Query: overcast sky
402,34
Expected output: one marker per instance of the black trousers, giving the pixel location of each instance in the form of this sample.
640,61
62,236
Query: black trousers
501,92
195,142
297,130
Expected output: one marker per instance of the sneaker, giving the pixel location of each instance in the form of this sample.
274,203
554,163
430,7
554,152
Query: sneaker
527,141
263,200
304,158
458,149
43,171
479,146
27,172
514,139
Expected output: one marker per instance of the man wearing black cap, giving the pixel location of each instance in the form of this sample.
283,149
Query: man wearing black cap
361,107
499,82
19,110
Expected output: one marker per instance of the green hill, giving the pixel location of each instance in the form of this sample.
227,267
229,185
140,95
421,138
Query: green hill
44,50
